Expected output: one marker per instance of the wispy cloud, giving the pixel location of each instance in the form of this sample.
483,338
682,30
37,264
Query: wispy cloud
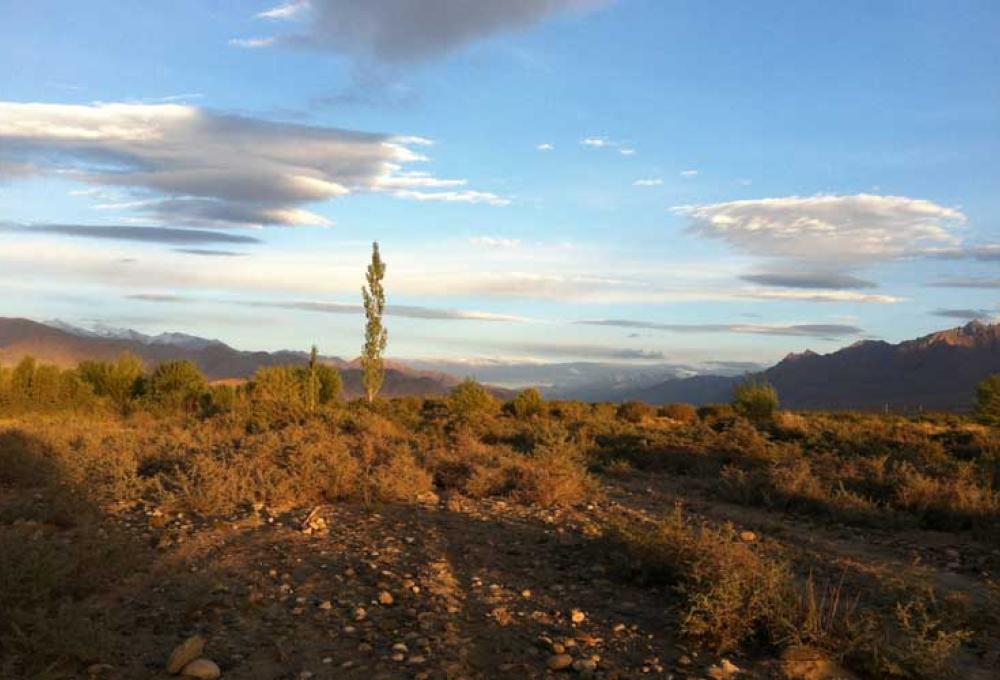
129,233
653,182
690,173
966,314
985,253
288,10
967,282
495,243
409,311
823,330
206,252
822,296
252,43
823,280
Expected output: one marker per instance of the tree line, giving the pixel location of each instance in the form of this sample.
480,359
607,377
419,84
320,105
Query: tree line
179,386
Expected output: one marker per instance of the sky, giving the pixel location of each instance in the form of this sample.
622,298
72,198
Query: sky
632,181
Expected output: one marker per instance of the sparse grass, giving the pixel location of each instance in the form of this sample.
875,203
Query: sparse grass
939,473
735,593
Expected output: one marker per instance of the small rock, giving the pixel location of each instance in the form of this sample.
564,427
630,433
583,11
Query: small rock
724,671
201,669
326,605
185,653
385,598
559,662
577,616
748,536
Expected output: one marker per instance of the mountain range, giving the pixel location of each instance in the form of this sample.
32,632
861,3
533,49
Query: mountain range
936,372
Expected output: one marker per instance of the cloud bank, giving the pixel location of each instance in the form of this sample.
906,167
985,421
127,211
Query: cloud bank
195,167
846,229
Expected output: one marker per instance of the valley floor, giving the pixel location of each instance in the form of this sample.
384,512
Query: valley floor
462,588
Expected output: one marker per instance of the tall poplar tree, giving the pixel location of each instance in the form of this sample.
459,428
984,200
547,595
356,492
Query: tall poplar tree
376,337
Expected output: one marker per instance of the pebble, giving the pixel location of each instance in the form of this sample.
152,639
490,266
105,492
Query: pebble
385,598
185,653
202,669
558,662
748,536
577,616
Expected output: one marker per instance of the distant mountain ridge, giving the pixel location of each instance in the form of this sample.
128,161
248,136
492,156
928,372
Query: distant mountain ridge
939,371
66,345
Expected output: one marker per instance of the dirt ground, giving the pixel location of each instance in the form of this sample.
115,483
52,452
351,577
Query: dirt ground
456,588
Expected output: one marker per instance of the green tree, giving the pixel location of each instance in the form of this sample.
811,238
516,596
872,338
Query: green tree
376,336
177,385
988,400
756,400
470,400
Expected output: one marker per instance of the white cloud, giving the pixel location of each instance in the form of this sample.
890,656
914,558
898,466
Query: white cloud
399,31
191,166
495,242
690,173
828,228
252,43
597,142
486,197
545,147
286,11
648,182
822,296
627,151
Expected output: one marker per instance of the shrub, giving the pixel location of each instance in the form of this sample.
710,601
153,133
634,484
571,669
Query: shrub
732,590
988,400
177,385
527,403
122,381
756,400
710,413
470,400
634,411
683,413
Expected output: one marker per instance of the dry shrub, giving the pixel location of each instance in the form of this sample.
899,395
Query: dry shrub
731,590
401,478
46,629
554,477
682,413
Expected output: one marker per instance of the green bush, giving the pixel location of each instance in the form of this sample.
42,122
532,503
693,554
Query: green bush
526,404
988,400
122,381
756,400
470,400
177,386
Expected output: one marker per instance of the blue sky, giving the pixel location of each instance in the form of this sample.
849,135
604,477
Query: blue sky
634,181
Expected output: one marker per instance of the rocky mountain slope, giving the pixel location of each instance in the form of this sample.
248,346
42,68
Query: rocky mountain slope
939,371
